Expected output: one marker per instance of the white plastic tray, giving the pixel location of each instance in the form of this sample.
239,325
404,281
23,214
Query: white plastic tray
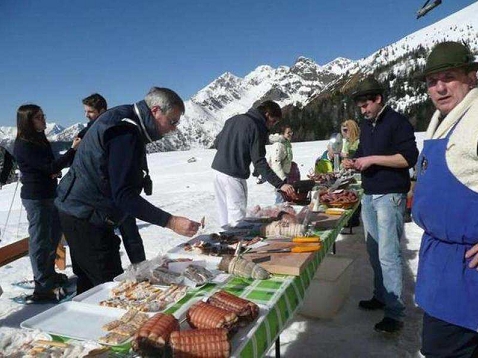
96,294
102,292
76,320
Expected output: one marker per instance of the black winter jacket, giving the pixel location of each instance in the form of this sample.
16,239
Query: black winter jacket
106,178
241,142
37,165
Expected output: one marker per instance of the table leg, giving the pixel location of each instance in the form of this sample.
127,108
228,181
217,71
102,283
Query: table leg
278,347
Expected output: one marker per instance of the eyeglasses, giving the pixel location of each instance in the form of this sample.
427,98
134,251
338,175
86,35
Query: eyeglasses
174,122
345,130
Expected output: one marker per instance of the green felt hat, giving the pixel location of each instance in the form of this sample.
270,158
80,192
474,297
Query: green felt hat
367,86
448,55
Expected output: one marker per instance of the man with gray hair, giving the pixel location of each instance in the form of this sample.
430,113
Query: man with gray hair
445,205
104,183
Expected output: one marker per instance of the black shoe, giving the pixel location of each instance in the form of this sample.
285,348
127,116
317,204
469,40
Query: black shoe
60,279
56,295
371,305
389,325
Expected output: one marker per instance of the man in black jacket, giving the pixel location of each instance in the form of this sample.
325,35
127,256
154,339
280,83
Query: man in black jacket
386,152
94,106
104,184
241,142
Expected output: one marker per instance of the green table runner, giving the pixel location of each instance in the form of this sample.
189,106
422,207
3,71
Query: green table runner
279,298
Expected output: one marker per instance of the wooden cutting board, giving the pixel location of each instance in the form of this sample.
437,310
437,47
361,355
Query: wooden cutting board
323,221
282,263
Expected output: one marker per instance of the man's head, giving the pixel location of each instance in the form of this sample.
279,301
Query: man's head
271,112
94,105
369,98
166,107
450,73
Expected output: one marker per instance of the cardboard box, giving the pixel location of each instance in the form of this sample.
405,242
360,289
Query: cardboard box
329,288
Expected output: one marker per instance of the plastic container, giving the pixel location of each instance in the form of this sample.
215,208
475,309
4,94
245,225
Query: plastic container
329,288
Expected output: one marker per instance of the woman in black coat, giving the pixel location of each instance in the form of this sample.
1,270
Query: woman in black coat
39,172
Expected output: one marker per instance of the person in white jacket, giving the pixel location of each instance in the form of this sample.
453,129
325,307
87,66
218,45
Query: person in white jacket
280,155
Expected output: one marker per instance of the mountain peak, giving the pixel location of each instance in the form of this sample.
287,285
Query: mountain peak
305,60
339,66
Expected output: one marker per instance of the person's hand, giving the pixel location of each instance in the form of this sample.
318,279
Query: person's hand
76,143
348,164
183,226
288,189
469,254
363,163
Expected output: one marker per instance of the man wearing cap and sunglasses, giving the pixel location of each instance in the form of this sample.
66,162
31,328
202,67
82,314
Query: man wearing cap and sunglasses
386,151
104,183
446,205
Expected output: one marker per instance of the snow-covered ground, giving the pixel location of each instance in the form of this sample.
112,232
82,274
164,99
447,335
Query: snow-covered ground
186,189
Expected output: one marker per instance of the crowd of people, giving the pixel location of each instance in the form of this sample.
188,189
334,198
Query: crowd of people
108,171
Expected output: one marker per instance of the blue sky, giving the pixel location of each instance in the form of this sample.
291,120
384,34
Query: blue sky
55,52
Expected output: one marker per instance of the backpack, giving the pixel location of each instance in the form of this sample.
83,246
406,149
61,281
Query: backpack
7,166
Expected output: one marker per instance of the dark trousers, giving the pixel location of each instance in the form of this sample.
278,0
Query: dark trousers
94,252
441,339
45,233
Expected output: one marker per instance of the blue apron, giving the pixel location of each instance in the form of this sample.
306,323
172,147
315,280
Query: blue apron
447,211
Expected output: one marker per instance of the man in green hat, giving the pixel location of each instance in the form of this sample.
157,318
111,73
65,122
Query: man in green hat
386,151
445,206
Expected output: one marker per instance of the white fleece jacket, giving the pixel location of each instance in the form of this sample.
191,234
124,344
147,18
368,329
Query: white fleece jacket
461,151
280,155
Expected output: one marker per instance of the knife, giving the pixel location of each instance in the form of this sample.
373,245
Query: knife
306,221
295,249
335,185
297,240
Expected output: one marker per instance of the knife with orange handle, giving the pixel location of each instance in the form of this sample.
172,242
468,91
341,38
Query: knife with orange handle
297,239
295,249
306,239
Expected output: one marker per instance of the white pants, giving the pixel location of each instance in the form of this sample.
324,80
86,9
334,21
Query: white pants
231,199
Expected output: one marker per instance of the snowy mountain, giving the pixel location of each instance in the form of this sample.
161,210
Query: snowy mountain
67,134
307,90
305,82
228,95
53,131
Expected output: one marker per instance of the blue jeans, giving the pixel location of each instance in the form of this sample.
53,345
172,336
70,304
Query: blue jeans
45,234
382,217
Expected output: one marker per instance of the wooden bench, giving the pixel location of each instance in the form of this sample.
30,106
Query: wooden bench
13,251
19,248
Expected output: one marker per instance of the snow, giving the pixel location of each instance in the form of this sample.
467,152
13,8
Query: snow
186,189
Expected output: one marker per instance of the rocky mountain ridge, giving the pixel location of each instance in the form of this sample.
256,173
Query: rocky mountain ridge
314,97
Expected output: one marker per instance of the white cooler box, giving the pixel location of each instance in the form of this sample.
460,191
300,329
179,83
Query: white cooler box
329,288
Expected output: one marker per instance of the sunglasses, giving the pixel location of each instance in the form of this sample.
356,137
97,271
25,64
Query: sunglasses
345,130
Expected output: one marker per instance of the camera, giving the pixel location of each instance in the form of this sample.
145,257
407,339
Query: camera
147,185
